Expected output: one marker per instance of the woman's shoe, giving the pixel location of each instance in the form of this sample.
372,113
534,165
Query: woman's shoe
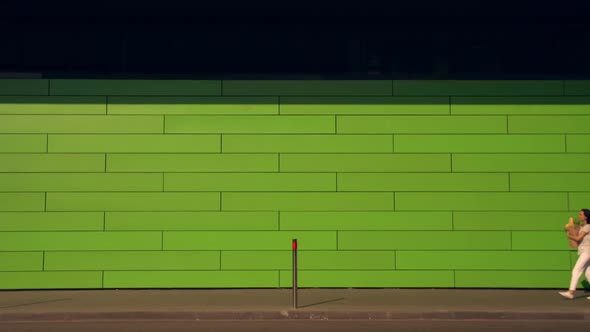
567,295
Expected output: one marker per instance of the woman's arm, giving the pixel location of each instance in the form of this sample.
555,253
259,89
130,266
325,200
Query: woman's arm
578,238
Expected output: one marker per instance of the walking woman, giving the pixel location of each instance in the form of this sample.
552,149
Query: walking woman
583,262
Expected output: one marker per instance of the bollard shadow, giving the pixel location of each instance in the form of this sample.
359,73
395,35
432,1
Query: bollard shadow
31,303
318,303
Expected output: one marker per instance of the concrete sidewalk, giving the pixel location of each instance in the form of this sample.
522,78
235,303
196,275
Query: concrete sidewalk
266,304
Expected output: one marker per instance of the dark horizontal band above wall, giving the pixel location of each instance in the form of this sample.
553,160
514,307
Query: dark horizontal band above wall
308,88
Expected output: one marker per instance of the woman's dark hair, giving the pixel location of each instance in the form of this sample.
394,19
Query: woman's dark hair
587,214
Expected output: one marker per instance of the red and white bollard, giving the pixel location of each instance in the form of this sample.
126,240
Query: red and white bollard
294,246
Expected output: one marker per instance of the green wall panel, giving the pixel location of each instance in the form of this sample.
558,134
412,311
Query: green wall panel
550,182
131,260
308,143
558,163
80,182
479,143
35,241
377,279
540,240
24,163
193,105
420,240
249,182
51,221
187,221
477,88
21,261
578,143
365,105
192,163
427,221
306,201
352,124
52,105
191,279
258,260
81,124
25,87
482,260
365,163
422,182
50,280
308,260
579,201
307,88
572,124
577,87
131,201
250,124
520,105
248,240
480,201
22,201
135,87
517,221
125,143
23,143
512,279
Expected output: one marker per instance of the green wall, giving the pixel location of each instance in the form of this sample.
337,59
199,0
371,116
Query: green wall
126,184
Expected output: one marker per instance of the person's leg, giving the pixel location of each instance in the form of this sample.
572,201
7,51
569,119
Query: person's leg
581,265
587,268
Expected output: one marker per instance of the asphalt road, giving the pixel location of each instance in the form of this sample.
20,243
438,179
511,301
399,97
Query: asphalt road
308,326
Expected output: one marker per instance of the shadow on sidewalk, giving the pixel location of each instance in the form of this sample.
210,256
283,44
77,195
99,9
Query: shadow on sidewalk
32,303
318,303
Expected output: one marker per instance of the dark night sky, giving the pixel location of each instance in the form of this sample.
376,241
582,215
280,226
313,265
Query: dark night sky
418,39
